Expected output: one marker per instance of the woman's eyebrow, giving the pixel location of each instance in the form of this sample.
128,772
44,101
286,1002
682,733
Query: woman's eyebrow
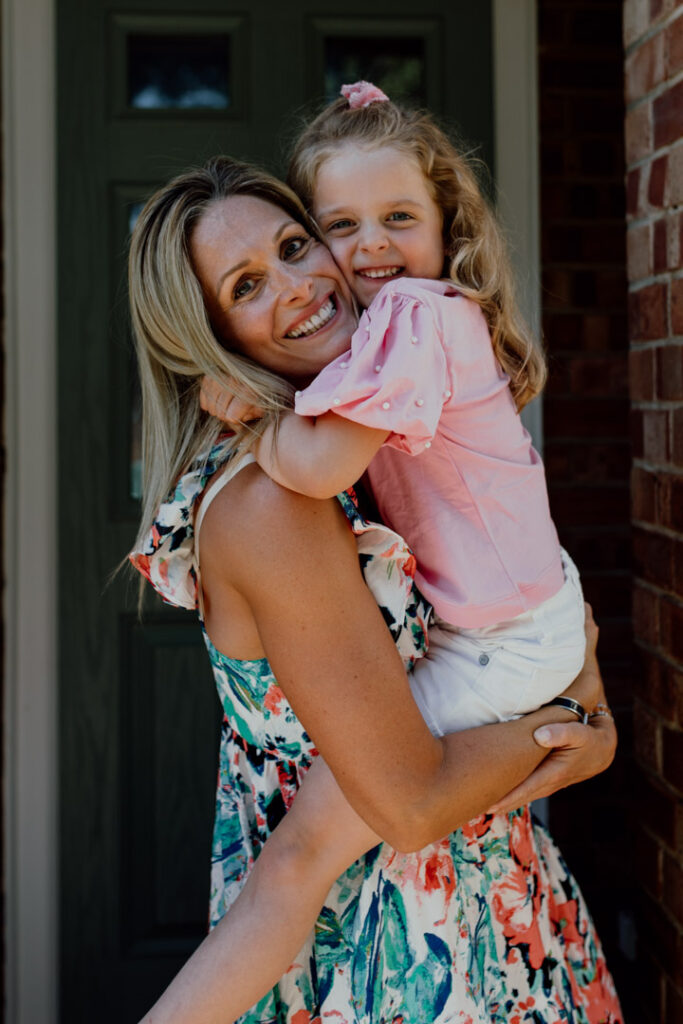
233,270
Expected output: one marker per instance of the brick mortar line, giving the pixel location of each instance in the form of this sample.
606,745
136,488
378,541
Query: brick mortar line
665,277
670,791
653,217
663,594
663,845
653,155
651,32
669,469
654,713
675,338
655,93
643,346
656,591
656,404
661,656
656,531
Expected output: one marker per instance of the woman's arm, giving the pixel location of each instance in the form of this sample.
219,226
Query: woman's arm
293,561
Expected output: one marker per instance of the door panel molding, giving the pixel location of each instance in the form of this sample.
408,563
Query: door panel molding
30,606
30,601
515,114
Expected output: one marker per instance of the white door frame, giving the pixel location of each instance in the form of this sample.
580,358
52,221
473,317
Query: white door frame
30,599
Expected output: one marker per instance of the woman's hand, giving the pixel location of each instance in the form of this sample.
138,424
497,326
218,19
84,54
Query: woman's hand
577,751
218,401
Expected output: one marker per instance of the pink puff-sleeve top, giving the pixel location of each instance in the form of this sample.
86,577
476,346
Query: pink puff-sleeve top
458,476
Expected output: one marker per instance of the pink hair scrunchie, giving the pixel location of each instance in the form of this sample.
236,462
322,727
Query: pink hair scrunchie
362,94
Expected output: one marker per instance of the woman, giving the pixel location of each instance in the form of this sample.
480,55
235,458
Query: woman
479,926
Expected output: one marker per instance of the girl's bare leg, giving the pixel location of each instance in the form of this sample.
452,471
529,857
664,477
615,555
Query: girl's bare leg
260,936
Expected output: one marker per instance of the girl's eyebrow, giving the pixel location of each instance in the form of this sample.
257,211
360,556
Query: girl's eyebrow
334,211
238,266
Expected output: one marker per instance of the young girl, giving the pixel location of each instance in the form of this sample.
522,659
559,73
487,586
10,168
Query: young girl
426,400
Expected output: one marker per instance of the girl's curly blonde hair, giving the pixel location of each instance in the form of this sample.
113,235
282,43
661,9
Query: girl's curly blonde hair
476,257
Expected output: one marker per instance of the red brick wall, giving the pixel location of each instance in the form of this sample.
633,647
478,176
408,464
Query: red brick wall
653,35
586,409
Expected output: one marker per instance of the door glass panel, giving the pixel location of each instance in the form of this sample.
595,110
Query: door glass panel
396,65
171,72
135,426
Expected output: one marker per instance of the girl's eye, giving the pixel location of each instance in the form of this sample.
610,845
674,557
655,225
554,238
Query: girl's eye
292,247
339,225
399,215
244,287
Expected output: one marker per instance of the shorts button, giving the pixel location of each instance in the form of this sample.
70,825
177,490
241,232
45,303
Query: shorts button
483,659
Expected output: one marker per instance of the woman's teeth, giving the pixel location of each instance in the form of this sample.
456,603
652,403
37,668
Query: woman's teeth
381,272
315,322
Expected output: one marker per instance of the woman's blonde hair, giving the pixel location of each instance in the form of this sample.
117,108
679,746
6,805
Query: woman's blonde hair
476,258
174,339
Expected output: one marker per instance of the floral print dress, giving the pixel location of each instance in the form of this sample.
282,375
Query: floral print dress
486,926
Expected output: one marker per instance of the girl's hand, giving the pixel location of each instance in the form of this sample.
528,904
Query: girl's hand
221,403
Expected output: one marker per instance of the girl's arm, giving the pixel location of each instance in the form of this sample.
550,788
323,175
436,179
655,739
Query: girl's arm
293,562
317,457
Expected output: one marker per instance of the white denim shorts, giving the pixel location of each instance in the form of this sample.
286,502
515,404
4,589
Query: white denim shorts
474,676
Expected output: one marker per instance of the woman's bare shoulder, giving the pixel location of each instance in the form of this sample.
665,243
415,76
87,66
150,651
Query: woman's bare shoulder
256,523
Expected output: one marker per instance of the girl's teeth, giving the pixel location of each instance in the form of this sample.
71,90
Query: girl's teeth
388,272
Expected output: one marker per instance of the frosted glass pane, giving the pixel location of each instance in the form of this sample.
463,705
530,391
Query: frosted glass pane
135,455
171,72
396,65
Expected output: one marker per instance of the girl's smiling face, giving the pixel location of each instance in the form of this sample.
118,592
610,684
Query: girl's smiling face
378,216
272,291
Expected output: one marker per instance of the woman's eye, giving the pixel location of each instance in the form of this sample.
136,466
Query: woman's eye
244,287
399,215
293,246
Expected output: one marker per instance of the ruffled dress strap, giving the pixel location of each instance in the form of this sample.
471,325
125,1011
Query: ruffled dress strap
168,557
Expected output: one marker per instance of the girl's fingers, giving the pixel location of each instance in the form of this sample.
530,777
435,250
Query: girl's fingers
211,394
221,403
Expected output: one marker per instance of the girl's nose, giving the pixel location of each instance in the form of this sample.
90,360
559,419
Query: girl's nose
374,239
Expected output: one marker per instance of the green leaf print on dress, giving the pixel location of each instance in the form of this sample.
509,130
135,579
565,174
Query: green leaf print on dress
486,926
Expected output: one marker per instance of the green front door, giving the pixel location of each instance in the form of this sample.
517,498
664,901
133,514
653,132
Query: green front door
146,89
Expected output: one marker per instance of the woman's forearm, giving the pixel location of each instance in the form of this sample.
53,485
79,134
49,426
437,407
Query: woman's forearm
479,767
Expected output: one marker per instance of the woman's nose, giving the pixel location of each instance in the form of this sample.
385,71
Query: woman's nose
297,286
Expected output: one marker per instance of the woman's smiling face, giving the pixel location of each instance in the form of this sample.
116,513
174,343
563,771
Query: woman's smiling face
273,293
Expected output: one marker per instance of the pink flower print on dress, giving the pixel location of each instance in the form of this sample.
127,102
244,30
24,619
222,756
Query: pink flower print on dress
362,94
